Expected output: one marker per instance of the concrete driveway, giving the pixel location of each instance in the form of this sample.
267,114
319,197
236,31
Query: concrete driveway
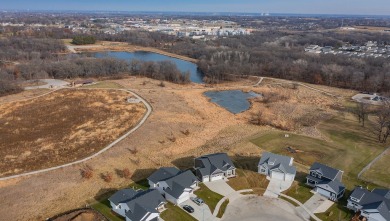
220,187
200,212
50,83
276,186
258,208
318,204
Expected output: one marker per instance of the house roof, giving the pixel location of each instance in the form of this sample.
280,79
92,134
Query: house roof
377,200
333,186
122,195
326,171
140,203
178,183
275,161
163,173
213,162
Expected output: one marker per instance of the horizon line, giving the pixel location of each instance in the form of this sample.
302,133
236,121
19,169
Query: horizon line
188,12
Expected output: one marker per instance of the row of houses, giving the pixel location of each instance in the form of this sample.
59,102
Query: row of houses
169,184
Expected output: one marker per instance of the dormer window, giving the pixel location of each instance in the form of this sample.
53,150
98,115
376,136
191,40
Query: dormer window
271,162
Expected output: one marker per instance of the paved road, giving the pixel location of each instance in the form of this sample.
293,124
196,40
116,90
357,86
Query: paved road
50,83
146,116
258,208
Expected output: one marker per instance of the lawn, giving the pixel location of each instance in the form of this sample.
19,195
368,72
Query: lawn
105,84
175,213
210,198
348,146
247,179
379,171
222,209
104,208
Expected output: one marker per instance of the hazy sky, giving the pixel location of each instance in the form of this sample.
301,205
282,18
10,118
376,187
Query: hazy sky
367,7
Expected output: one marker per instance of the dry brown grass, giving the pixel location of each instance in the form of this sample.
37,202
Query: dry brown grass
62,127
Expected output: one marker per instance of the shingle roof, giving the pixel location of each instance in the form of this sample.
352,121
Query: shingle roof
213,162
178,183
378,199
328,172
139,203
333,186
163,173
275,161
122,195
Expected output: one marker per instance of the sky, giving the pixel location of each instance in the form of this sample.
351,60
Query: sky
353,7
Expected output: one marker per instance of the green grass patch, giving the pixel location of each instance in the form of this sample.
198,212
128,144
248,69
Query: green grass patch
104,208
210,198
222,209
175,213
105,84
142,184
299,191
337,211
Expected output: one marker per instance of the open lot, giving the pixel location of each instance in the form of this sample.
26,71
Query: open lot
379,171
62,127
177,108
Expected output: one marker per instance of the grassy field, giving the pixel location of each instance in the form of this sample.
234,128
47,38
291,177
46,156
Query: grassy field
62,127
105,84
247,179
105,208
222,209
210,198
347,146
175,213
379,171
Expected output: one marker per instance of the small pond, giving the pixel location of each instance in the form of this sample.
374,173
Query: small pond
235,101
196,76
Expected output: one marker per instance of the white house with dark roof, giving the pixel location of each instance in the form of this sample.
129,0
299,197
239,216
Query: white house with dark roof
277,166
137,205
326,181
214,167
373,205
175,185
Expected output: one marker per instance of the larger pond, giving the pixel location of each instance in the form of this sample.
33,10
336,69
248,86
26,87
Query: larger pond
196,76
235,101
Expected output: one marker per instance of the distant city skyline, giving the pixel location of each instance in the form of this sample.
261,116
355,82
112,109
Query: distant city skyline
347,7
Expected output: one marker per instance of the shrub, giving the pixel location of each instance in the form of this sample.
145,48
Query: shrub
107,177
83,40
126,173
87,172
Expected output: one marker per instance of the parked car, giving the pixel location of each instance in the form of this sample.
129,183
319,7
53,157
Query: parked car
188,208
197,200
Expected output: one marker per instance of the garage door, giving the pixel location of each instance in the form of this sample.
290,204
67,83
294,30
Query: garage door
277,175
216,177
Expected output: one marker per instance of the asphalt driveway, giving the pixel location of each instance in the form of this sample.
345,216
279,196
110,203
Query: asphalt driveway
258,208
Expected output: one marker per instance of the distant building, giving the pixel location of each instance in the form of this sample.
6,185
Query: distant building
277,166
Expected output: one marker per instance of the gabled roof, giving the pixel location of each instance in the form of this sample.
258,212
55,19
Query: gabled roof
333,186
377,200
213,162
163,173
275,161
122,195
140,203
326,171
178,183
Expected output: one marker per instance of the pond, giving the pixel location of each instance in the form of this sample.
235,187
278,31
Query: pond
235,101
196,76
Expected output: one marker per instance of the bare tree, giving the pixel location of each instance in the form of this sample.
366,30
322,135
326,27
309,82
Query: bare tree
383,123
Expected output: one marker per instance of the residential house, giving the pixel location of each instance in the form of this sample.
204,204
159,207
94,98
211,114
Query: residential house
326,181
214,167
138,205
175,185
373,205
277,166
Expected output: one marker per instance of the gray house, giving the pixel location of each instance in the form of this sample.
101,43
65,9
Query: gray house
373,205
175,185
214,167
138,205
326,181
277,166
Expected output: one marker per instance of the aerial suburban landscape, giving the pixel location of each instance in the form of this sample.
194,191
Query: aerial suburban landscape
195,110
